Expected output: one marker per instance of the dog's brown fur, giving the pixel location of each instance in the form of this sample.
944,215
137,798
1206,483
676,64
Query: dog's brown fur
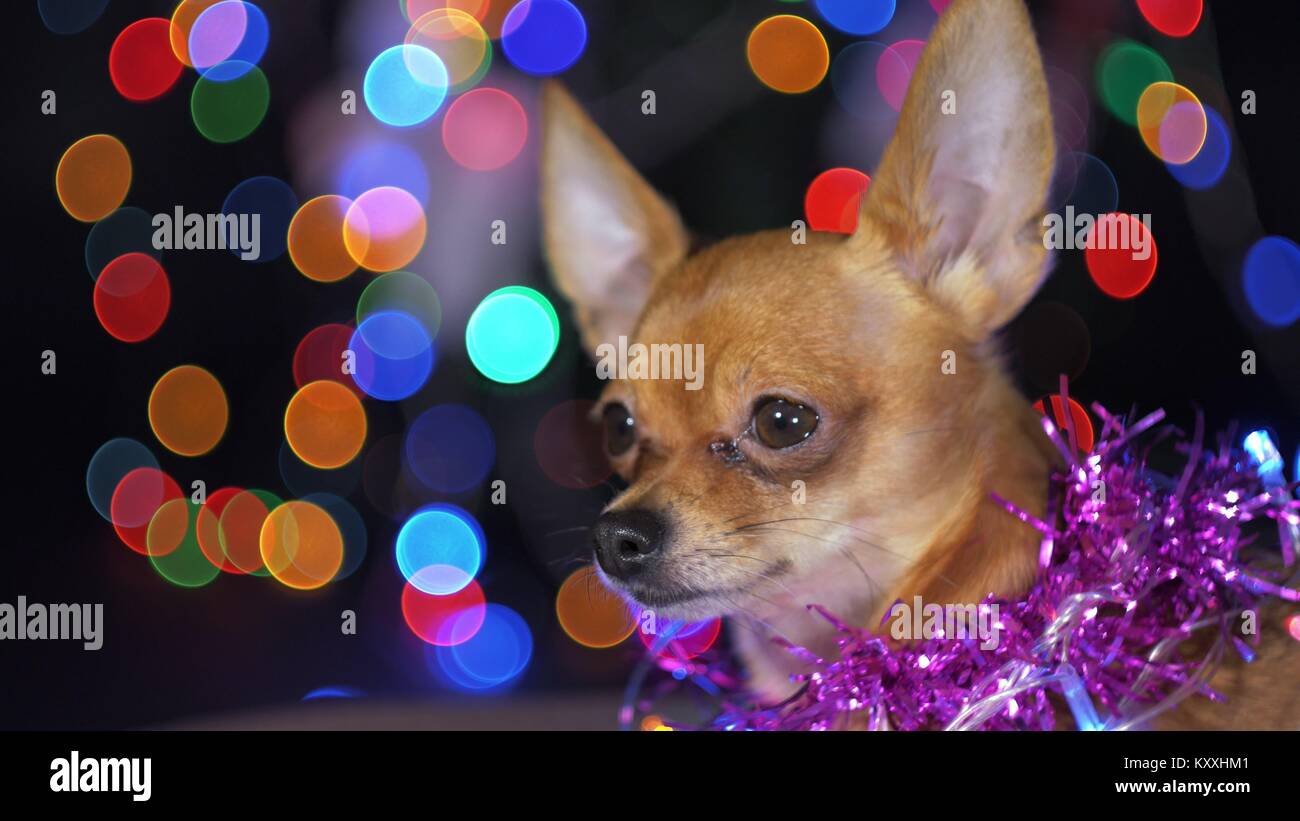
900,469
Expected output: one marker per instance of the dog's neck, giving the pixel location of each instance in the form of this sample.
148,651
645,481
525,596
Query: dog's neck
977,549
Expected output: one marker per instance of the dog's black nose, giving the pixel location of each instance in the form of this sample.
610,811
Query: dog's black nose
627,541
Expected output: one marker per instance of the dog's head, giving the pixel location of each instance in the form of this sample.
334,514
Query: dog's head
853,416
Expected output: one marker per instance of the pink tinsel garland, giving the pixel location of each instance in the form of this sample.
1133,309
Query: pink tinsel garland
1126,576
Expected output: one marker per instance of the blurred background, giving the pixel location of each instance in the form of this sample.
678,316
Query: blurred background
454,465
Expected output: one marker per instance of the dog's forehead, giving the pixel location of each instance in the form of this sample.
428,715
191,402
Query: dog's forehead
766,291
773,315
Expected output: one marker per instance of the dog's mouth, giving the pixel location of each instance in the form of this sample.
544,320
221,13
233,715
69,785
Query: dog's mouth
682,601
659,597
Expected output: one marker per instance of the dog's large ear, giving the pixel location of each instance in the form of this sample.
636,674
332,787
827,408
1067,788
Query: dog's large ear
607,233
960,191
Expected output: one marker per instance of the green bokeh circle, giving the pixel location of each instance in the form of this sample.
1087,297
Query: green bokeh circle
186,566
1124,70
226,112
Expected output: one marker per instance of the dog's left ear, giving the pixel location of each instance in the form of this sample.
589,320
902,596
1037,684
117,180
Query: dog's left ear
960,191
608,234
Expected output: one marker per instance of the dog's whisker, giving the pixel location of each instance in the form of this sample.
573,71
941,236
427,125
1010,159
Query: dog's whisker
767,528
566,530
934,430
765,577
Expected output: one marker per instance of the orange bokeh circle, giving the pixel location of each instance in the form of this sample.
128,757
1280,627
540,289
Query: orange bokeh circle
301,545
325,424
188,410
93,177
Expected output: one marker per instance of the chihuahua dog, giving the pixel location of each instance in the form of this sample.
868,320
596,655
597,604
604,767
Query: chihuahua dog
830,457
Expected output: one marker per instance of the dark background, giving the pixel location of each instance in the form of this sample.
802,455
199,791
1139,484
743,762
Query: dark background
732,155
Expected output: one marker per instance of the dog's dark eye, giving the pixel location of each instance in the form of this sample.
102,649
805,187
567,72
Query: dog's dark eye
780,424
620,430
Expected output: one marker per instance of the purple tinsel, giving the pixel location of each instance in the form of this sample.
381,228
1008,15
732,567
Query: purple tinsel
1131,566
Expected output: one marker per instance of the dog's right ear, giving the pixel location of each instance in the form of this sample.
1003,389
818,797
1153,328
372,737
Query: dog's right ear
607,233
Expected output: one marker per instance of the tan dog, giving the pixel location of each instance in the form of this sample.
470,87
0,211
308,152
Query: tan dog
823,365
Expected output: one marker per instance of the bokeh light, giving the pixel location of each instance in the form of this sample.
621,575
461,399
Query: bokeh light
856,16
460,42
1205,170
331,692
173,545
440,549
188,410
141,62
182,22
402,291
394,355
124,231
93,177
450,448
1175,18
111,463
239,528
1084,435
570,446
351,527
405,85
301,545
489,13
70,16
384,228
833,200
315,239
385,481
444,620
1124,70
1113,259
543,37
484,129
1084,182
590,613
493,658
228,110
168,526
322,354
208,529
855,80
132,297
275,204
325,424
1271,278
1071,111
788,54
690,640
894,70
512,334
228,39
1171,121
378,162
135,500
